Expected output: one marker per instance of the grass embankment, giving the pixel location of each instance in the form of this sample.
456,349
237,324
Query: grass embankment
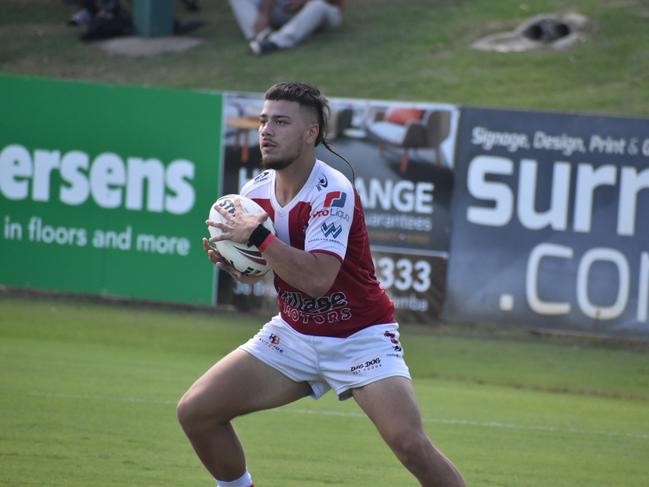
415,50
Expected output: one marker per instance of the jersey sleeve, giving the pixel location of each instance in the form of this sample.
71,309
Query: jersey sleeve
330,221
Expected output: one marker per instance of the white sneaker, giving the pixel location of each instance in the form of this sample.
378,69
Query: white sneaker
263,47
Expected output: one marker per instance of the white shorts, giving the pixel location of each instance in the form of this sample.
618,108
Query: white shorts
341,364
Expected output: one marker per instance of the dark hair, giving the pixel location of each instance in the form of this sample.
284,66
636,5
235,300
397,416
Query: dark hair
308,96
305,95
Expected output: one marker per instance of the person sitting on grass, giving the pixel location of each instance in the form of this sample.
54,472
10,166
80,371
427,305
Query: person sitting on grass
270,25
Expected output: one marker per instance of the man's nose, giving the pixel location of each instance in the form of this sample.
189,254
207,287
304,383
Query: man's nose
264,128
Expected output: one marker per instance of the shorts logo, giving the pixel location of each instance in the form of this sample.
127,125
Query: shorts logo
374,363
335,199
272,342
331,230
394,340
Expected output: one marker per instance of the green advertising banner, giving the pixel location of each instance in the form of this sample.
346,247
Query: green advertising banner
105,189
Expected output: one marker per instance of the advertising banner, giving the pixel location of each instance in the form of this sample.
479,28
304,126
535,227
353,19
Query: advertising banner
550,223
105,189
401,154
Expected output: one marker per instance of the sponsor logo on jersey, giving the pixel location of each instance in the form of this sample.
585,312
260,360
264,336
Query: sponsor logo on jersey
322,183
331,230
262,177
329,309
333,212
314,305
335,199
332,204
274,339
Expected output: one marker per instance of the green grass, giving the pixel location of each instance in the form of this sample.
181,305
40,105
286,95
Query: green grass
414,50
89,391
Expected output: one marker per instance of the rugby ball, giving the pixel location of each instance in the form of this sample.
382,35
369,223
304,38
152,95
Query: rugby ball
245,259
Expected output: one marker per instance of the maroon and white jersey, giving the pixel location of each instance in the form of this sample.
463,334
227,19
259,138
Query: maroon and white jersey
326,216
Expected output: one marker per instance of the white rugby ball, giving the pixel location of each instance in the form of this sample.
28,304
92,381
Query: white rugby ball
245,259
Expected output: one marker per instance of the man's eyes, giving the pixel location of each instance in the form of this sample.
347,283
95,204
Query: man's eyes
263,121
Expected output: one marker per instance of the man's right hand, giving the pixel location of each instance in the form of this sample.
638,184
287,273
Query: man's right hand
220,262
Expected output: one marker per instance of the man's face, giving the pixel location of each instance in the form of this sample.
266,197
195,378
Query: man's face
285,131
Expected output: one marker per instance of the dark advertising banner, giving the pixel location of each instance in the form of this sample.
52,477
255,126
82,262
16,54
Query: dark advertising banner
402,156
550,223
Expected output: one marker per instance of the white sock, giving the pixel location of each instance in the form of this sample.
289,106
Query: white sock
244,481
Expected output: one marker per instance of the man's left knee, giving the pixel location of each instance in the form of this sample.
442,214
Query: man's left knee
324,9
410,446
317,4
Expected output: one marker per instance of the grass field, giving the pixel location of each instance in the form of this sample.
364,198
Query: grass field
89,392
413,50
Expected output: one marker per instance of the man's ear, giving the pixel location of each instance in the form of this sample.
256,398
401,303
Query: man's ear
312,133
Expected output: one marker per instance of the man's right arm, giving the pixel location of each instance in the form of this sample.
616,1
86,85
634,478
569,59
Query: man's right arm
220,262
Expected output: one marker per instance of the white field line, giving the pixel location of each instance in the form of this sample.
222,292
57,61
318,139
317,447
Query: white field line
346,414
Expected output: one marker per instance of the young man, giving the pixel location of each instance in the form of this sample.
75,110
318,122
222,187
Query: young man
335,328
269,25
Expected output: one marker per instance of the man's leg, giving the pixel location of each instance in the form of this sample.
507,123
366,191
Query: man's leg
314,15
246,13
391,405
236,385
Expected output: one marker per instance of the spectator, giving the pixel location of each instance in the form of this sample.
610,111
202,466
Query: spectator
101,19
269,25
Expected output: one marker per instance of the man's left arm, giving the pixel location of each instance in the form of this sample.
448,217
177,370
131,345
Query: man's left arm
313,273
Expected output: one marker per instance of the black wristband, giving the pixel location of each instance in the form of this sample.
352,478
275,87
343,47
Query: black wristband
258,235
